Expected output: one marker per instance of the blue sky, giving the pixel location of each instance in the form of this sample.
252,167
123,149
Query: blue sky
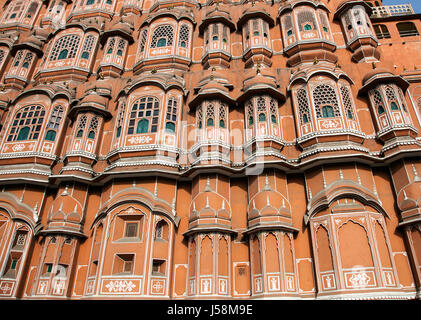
416,4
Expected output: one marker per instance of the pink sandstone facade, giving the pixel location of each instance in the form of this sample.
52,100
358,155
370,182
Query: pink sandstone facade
157,149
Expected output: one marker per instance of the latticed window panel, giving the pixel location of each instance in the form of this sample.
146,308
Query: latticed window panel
288,26
324,21
171,115
18,58
347,102
303,106
82,122
199,117
2,56
144,116
222,115
55,118
162,36
210,115
250,114
88,46
69,42
325,95
306,18
390,94
28,59
110,46
93,125
120,118
121,46
27,123
377,97
184,36
143,38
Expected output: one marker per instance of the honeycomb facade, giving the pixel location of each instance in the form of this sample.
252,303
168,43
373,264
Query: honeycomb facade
209,150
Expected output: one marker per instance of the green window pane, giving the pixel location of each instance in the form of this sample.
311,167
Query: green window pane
23,134
51,135
142,126
327,112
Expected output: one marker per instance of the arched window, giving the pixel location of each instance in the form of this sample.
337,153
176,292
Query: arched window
327,112
81,126
65,47
23,133
303,106
27,123
380,109
142,126
210,115
347,101
394,106
144,116
93,127
407,29
325,95
50,135
381,31
184,36
54,123
143,38
87,46
306,20
120,119
171,115
162,36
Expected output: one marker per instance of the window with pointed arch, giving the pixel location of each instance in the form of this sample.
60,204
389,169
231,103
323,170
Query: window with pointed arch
27,123
161,231
81,126
144,116
53,125
333,238
162,36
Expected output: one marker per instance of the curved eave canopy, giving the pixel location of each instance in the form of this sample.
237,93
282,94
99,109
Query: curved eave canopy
27,45
255,13
164,83
116,32
166,13
216,19
383,78
256,89
209,229
51,91
338,190
89,107
349,4
211,94
306,76
291,6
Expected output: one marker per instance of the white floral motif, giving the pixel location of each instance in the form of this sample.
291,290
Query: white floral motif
120,286
141,139
329,124
18,147
359,279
